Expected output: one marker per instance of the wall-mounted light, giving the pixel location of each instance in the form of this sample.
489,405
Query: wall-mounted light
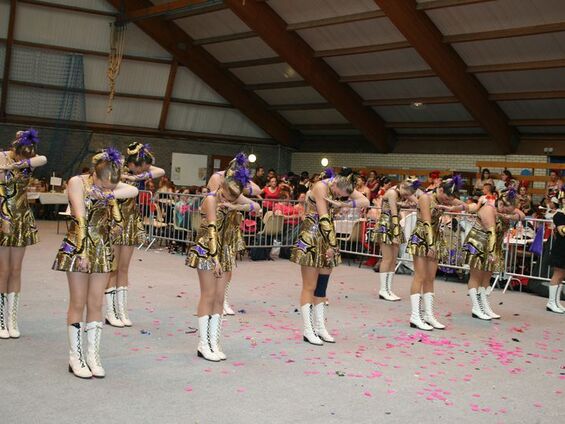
325,162
417,105
252,158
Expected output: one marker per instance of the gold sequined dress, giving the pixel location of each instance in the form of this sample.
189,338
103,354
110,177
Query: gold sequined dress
419,244
16,209
233,236
97,247
383,232
132,232
311,247
475,247
200,256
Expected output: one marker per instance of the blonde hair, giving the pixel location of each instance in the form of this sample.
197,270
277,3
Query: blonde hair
108,165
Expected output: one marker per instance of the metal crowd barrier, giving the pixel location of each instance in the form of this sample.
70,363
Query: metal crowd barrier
175,218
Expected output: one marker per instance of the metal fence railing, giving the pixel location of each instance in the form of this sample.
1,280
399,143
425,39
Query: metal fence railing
175,218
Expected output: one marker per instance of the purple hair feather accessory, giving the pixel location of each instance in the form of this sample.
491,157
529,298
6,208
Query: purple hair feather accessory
144,151
511,194
416,184
329,173
28,137
241,159
457,181
242,176
113,155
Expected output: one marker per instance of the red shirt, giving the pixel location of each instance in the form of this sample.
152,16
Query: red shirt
270,195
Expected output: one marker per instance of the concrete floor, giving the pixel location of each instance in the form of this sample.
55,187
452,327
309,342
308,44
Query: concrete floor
510,371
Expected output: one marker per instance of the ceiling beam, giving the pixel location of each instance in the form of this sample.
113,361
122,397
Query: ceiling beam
372,48
299,55
528,95
535,65
132,130
124,95
252,62
435,124
41,46
168,94
179,44
336,20
225,38
432,100
171,10
389,76
442,4
478,69
424,36
302,106
67,8
8,57
505,33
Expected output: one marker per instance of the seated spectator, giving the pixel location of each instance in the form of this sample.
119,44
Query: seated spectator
259,177
373,184
525,200
271,192
554,185
293,213
508,181
361,187
304,179
434,180
183,207
485,179
270,174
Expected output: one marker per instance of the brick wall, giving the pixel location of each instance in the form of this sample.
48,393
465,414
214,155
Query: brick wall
311,161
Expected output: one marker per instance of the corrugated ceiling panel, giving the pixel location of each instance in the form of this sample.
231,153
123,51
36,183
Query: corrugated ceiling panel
382,62
222,22
211,120
133,112
4,18
512,50
251,48
439,131
500,14
453,112
267,73
40,66
140,44
189,86
62,28
291,96
135,77
542,130
324,116
534,109
79,30
34,102
293,11
362,33
409,88
501,82
102,5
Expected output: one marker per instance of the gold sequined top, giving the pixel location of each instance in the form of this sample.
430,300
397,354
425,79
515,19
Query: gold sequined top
132,232
311,247
15,207
98,249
